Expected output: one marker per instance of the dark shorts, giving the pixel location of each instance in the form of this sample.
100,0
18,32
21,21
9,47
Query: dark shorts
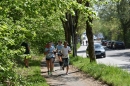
54,52
65,62
27,52
59,54
53,59
48,59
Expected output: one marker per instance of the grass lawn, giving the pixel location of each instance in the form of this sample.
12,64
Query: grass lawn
31,76
113,76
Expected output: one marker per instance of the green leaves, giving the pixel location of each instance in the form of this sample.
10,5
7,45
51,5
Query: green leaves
39,21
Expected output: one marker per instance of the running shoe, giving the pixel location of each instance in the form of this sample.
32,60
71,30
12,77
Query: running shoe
66,73
48,72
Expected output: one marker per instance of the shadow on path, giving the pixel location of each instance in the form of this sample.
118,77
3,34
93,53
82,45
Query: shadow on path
83,51
74,78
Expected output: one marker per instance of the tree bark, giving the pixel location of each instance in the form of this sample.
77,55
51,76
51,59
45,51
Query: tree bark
89,34
67,29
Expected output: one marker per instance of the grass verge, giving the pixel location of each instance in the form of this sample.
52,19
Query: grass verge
31,76
113,76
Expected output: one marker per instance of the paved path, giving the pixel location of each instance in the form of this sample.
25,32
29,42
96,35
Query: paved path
74,78
82,51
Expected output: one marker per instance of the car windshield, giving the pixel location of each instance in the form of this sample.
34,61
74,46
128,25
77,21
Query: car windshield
119,42
97,46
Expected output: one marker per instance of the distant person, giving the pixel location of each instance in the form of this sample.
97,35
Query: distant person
58,50
86,42
27,51
65,58
83,42
49,52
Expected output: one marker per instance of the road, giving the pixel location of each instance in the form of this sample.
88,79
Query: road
119,54
122,54
119,58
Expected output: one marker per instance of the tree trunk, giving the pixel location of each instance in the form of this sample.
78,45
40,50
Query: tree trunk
75,44
74,35
124,33
70,27
67,29
89,34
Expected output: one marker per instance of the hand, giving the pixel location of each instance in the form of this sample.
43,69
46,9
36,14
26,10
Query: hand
60,59
48,51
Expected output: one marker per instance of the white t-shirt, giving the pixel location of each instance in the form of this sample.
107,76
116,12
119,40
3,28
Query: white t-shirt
65,51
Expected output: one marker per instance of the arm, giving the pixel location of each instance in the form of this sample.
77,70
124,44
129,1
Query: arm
69,50
56,49
46,51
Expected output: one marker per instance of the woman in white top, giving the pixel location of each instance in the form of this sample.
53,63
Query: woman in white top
65,58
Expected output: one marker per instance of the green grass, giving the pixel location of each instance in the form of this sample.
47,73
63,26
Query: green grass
32,76
78,45
113,76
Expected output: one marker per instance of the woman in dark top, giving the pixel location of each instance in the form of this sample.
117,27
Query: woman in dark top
27,51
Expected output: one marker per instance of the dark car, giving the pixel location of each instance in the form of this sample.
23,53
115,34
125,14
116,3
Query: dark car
111,44
108,44
104,42
99,50
118,45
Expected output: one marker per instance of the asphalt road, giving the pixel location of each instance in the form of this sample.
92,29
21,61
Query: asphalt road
119,54
119,58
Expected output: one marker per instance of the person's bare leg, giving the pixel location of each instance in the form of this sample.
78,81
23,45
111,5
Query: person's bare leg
60,61
26,62
48,66
67,69
51,65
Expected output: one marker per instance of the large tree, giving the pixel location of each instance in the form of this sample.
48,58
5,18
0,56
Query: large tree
89,33
123,7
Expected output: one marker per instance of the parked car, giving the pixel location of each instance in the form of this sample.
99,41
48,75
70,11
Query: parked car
104,42
108,45
118,45
99,50
111,45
